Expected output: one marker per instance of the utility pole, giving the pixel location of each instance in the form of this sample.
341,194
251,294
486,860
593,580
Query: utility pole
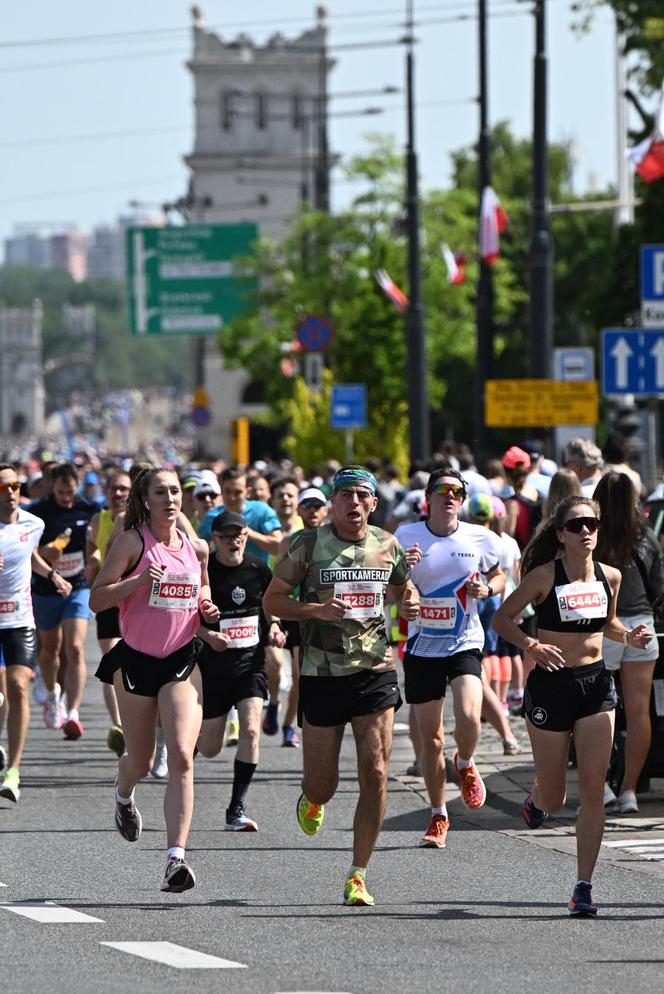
418,408
322,177
541,249
484,311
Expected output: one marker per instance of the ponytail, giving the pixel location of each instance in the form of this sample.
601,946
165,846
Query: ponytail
544,545
136,513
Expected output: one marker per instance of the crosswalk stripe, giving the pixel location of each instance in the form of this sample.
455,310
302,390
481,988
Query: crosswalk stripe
173,955
48,912
3,885
628,843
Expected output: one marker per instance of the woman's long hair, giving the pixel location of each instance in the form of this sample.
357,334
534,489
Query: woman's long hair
564,483
622,527
544,545
137,513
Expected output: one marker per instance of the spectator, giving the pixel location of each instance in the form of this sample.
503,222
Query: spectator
585,458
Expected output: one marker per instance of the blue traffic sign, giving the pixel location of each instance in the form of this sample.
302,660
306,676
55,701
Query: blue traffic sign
314,332
652,286
632,361
349,406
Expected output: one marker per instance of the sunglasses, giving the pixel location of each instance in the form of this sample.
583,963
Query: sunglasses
576,525
448,488
205,495
6,487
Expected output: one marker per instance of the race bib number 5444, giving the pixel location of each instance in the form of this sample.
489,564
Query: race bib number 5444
175,590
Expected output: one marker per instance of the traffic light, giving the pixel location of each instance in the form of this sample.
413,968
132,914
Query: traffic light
626,426
240,440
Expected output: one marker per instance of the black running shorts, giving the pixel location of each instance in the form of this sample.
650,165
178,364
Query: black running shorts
427,677
145,675
108,624
223,687
555,700
335,700
19,647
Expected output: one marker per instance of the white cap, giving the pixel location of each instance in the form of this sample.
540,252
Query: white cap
312,493
207,484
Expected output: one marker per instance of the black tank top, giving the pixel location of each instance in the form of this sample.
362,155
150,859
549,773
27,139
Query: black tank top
581,606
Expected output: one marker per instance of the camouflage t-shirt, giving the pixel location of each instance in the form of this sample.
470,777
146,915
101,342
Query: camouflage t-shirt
326,566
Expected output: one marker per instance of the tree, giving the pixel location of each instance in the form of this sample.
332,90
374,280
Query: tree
641,23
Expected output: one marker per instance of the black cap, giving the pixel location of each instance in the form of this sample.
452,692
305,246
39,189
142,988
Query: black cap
228,519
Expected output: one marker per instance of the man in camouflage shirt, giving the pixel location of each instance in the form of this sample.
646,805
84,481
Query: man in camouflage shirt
344,569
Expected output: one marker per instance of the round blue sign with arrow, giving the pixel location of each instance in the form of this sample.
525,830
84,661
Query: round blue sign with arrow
314,332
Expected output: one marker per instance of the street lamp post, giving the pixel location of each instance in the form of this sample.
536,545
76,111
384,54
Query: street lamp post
484,310
541,251
416,367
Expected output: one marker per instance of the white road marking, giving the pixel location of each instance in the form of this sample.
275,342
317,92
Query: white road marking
629,843
48,912
173,955
3,885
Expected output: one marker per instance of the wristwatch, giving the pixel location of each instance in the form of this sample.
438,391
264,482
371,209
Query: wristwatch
490,588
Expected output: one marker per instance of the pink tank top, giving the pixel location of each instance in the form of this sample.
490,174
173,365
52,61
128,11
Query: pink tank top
161,618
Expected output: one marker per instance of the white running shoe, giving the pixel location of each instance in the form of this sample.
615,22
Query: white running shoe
609,797
55,714
627,804
39,691
159,769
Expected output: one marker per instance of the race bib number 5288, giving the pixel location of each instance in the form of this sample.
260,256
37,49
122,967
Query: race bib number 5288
363,599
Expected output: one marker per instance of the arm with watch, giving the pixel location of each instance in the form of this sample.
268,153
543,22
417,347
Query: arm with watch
43,568
481,588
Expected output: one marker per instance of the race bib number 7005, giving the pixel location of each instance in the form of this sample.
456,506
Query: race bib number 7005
175,590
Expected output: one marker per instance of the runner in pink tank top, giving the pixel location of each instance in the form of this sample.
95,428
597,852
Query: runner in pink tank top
158,577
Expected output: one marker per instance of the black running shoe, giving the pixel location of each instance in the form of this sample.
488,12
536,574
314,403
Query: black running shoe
178,876
581,904
128,821
533,816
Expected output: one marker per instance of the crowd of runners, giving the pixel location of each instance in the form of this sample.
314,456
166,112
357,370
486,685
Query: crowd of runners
525,588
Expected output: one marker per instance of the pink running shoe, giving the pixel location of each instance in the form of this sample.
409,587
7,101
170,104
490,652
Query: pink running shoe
473,791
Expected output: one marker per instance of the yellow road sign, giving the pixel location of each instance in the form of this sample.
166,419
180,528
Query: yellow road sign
540,403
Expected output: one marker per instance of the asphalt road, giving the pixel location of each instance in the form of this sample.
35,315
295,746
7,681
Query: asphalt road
488,913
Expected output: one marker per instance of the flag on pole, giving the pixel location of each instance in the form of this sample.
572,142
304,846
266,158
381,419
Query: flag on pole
493,221
455,264
648,155
391,290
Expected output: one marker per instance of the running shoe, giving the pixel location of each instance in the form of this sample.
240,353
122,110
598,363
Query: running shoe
515,704
73,729
609,797
309,816
54,711
232,732
237,821
471,785
10,785
3,758
178,876
356,893
436,833
271,719
533,816
511,747
39,691
291,739
581,903
159,768
415,769
115,740
627,803
128,820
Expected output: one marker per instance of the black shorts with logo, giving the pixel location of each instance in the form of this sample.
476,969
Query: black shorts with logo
427,676
555,700
334,700
145,675
19,647
224,685
108,624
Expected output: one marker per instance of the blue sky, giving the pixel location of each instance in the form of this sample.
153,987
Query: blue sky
89,124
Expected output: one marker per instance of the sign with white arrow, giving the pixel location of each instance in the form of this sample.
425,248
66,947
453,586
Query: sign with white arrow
633,361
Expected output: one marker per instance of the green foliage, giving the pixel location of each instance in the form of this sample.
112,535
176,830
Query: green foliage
641,22
121,360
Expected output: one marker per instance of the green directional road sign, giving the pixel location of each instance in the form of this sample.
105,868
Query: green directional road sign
182,280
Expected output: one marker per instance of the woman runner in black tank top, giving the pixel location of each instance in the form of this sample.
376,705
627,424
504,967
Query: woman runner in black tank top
568,690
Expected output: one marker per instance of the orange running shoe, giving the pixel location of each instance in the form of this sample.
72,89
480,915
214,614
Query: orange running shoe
473,791
436,833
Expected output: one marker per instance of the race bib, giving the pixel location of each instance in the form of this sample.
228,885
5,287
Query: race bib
438,612
70,564
175,590
364,599
582,601
243,632
8,611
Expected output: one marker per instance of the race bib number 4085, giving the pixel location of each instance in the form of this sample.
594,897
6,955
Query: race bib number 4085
175,590
363,599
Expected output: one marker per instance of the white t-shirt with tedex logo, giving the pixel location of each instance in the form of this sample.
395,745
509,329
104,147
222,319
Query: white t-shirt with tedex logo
449,621
18,540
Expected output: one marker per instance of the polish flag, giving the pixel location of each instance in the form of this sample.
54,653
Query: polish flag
493,221
391,290
648,155
455,264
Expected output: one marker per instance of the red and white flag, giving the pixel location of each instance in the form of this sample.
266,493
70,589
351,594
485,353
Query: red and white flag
391,290
455,264
648,155
493,221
